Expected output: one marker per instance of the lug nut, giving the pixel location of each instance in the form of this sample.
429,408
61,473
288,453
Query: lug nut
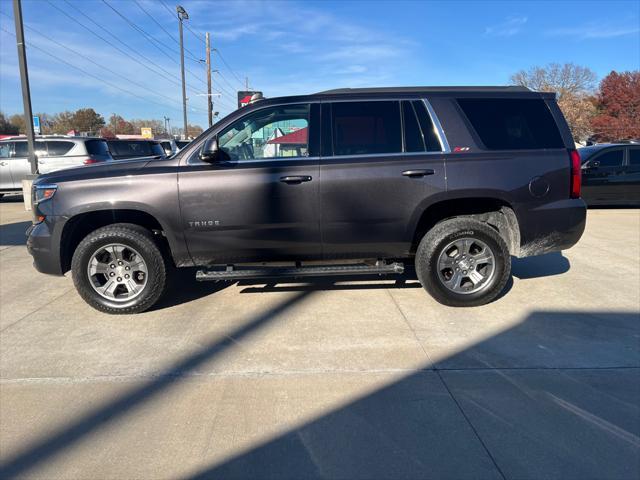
112,274
119,263
464,272
127,268
119,279
126,276
112,266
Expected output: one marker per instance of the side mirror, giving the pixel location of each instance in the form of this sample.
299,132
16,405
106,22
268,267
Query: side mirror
210,150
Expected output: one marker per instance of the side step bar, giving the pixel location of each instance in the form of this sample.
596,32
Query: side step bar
239,273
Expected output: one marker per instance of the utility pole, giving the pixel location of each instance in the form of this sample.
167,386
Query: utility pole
246,83
209,99
24,80
182,15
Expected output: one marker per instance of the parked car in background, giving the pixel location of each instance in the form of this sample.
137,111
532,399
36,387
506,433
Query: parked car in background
53,152
123,149
169,147
182,143
611,174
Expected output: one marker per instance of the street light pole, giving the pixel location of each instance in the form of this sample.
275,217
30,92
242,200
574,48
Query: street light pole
182,15
24,80
209,100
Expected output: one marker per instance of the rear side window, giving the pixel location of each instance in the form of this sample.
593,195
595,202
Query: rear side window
365,128
512,124
97,147
634,156
131,149
57,149
610,159
21,149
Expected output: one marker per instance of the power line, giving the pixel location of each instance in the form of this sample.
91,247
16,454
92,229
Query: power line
156,43
201,38
102,80
146,63
101,66
227,65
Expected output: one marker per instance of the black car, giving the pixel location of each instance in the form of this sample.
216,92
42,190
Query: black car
611,174
123,149
454,180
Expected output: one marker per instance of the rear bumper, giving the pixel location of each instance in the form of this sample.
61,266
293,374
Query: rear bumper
44,247
552,227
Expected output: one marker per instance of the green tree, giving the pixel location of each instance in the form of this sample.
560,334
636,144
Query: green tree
62,122
6,127
17,121
88,120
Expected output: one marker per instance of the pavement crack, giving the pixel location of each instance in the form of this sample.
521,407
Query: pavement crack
468,420
415,335
36,310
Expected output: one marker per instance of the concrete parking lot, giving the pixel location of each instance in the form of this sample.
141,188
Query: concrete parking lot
328,379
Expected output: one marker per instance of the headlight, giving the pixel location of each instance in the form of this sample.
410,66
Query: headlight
43,192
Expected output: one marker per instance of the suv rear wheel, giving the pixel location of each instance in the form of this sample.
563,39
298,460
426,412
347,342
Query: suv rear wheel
463,262
119,269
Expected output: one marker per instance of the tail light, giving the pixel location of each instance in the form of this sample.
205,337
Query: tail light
576,174
89,161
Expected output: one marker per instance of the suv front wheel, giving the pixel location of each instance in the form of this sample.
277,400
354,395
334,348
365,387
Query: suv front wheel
463,262
119,269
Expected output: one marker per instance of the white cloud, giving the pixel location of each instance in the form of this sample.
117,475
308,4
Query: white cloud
595,30
509,27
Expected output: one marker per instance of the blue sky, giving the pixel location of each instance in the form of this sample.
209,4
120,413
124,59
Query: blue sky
290,47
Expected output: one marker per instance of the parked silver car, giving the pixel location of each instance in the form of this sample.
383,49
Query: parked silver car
53,152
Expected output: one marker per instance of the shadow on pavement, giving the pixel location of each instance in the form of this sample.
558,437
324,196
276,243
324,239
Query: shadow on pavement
570,411
60,441
567,418
184,288
13,233
553,263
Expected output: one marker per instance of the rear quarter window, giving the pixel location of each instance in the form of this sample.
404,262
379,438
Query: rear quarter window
512,124
97,147
634,156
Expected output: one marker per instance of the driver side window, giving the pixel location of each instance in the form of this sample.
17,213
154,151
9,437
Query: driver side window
276,132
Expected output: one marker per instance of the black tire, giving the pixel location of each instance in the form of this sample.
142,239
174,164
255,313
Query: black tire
439,238
130,235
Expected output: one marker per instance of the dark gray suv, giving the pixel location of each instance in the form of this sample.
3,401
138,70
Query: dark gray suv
455,180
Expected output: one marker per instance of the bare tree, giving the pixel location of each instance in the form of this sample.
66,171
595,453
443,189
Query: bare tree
574,86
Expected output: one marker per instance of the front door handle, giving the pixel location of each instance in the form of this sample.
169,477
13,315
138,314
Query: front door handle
3,164
295,179
418,173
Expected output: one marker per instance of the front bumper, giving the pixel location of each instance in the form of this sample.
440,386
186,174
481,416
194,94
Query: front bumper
552,227
44,246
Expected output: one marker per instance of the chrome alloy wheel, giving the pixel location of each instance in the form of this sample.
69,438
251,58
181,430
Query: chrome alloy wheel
466,265
117,272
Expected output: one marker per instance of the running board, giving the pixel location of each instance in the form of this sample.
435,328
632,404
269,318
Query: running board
239,273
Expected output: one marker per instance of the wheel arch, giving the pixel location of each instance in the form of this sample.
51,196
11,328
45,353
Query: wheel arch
79,226
496,212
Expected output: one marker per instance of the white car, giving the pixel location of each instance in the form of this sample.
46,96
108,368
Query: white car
53,152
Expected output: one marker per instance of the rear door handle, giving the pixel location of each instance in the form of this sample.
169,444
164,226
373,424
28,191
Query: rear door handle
294,179
3,164
418,173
